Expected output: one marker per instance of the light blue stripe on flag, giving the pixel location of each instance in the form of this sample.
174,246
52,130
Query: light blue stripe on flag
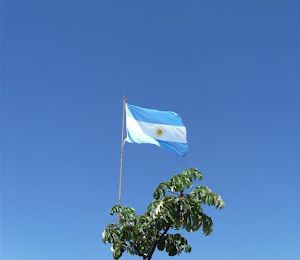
178,148
161,128
155,116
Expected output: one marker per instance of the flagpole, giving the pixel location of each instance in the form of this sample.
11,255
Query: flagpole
121,154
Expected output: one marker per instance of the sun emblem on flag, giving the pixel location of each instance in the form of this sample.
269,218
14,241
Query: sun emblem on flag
159,131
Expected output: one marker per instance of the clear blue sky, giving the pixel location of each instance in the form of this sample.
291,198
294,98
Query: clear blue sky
231,69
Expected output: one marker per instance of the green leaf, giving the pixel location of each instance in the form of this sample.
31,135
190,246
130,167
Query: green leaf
156,194
161,244
188,249
173,251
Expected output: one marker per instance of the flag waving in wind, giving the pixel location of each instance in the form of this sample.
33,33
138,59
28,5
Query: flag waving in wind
161,128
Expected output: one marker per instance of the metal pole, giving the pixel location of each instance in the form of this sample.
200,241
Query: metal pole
122,148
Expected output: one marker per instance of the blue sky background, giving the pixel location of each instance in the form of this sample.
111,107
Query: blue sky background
231,69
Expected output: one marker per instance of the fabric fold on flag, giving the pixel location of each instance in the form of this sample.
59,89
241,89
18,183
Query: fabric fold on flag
161,128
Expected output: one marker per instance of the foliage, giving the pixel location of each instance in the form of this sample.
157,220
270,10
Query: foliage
175,206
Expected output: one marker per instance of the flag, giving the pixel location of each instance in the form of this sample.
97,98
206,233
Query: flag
161,128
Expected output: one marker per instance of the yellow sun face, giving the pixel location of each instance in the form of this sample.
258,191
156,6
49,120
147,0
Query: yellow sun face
159,131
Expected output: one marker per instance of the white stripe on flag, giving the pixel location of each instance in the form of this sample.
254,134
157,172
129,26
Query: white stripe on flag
136,132
162,132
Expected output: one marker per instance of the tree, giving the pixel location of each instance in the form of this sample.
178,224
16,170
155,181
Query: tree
175,206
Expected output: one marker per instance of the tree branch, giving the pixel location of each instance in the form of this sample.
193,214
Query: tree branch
156,241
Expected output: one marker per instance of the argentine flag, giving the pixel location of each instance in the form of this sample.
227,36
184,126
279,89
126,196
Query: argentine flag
161,128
